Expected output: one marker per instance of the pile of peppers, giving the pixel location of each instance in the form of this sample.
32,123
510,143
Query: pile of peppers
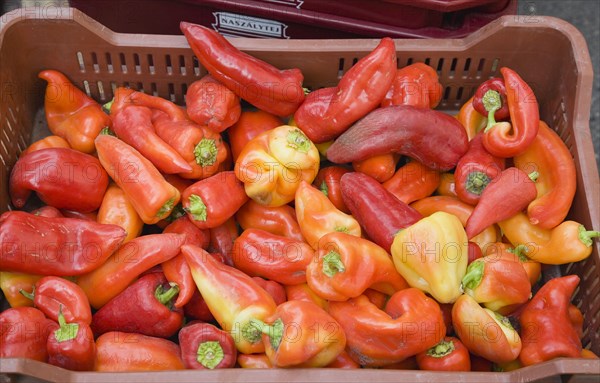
259,227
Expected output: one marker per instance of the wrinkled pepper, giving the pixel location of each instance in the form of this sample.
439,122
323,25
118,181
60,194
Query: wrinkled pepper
412,182
250,124
24,333
222,238
328,181
117,210
72,346
12,284
417,85
209,103
279,220
381,167
46,142
205,346
448,355
472,121
490,101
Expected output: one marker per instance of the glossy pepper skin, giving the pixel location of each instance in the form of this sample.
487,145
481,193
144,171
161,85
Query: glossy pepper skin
447,185
378,211
381,167
319,341
12,284
205,346
232,297
276,289
547,332
62,177
412,182
56,296
128,352
304,293
24,333
33,244
273,163
222,238
516,254
549,156
432,255
495,110
472,120
126,264
345,266
317,216
524,119
360,90
116,209
71,114
275,91
410,318
250,124
417,85
431,137
209,103
150,194
72,346
279,220
448,355
567,242
328,181
254,361
259,253
46,142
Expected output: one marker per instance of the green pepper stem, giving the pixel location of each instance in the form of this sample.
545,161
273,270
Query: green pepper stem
210,354
333,264
474,275
166,208
165,297
106,131
274,331
440,350
66,331
520,251
476,182
197,208
108,105
534,176
491,102
324,188
206,152
297,140
27,295
585,236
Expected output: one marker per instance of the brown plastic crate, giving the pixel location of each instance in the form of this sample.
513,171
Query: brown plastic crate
549,53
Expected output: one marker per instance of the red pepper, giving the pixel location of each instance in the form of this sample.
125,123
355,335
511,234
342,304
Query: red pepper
24,332
145,307
417,85
360,90
72,346
433,138
490,101
205,346
448,355
56,296
211,104
413,182
254,361
304,293
46,142
61,177
278,220
48,212
222,238
276,289
197,308
343,360
328,181
250,124
381,167
55,246
275,91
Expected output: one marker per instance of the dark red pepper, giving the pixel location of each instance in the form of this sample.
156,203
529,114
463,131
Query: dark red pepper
197,308
328,181
222,238
24,333
72,346
490,101
205,346
209,103
276,290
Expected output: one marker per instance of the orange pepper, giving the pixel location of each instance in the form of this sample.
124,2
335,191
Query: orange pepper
472,120
47,142
412,182
380,167
447,186
532,268
117,209
12,284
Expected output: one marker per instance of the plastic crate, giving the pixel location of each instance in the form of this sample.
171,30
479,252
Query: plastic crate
550,54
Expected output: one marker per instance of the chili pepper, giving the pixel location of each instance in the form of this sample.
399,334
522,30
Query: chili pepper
222,238
448,355
47,211
447,186
319,341
507,194
381,167
232,297
360,90
70,113
250,124
117,210
431,137
278,220
276,91
432,255
549,156
520,231
152,197
197,308
472,121
317,216
205,346
24,332
121,352
61,177
412,182
211,104
524,117
144,307
417,85
273,163
490,100
12,284
410,318
475,170
276,289
328,181
126,264
72,346
46,142
55,246
380,214
304,293
545,325
56,296
345,266
254,361
517,254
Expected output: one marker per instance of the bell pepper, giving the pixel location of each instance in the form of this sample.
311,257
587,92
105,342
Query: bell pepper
447,186
131,113
222,238
55,246
511,139
150,194
46,142
254,361
345,266
144,307
232,297
273,163
275,91
412,182
24,332
212,201
490,101
472,121
129,352
549,156
360,90
250,124
61,177
301,334
259,253
417,85
516,254
410,318
276,289
507,194
431,137
209,103
304,293
475,170
126,264
70,113
12,284
317,216
72,346
381,167
197,308
176,269
448,355
205,346
432,255
378,211
278,220
546,328
328,181
117,210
